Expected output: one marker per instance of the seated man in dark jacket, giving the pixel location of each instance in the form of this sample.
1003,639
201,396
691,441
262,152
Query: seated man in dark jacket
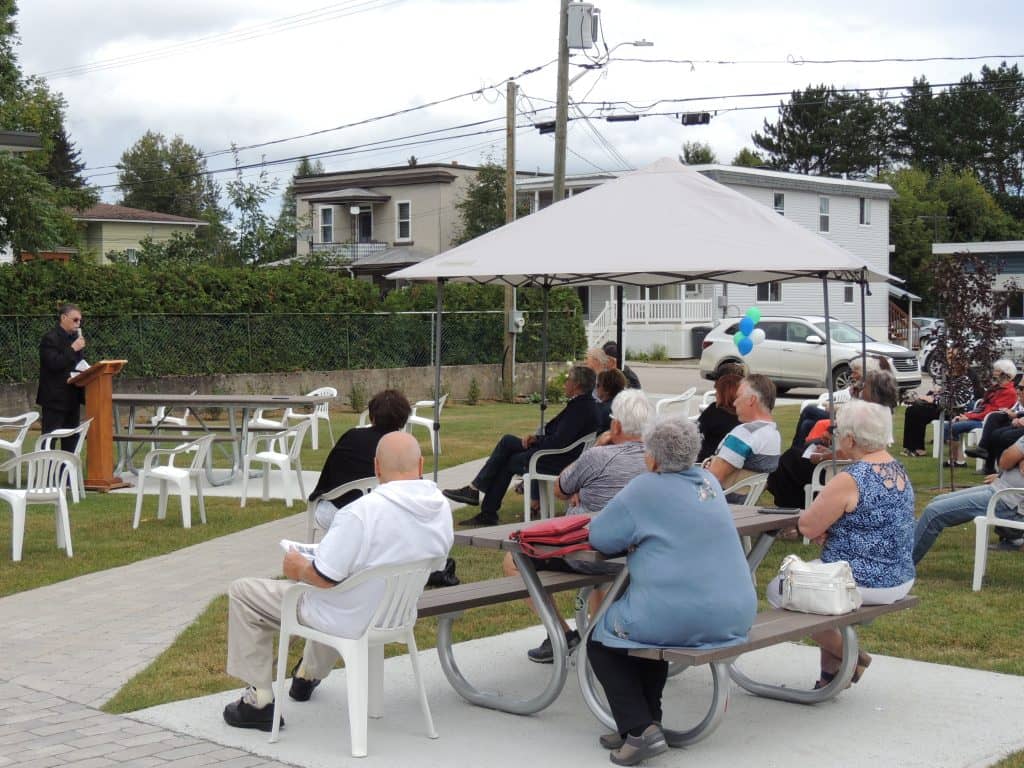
511,456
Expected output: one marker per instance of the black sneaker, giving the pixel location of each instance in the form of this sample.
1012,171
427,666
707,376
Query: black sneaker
244,714
478,520
467,494
1007,545
543,654
301,688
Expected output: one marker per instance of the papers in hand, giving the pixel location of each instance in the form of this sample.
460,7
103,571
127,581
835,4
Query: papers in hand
81,367
308,551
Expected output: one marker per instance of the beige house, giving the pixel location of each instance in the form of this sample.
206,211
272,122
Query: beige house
375,220
119,228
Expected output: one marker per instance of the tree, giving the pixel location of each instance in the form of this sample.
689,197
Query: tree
166,176
253,229
482,206
30,217
748,158
287,226
697,153
10,74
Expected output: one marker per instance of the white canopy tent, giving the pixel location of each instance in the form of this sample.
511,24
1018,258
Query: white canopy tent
663,224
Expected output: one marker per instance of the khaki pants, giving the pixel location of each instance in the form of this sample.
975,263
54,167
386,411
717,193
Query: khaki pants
254,621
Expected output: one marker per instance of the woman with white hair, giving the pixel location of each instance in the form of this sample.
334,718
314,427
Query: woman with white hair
865,515
999,395
689,584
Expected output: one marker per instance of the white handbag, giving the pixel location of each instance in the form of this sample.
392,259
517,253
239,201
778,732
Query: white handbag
825,588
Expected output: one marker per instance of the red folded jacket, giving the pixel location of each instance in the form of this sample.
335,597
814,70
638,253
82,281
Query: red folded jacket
566,534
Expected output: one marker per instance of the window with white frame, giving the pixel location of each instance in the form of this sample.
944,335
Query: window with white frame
865,212
823,214
403,220
131,255
326,225
779,203
769,293
847,294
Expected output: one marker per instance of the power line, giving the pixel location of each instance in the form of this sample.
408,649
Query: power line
801,61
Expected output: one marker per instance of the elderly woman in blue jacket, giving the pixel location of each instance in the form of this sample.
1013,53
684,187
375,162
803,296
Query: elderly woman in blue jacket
689,584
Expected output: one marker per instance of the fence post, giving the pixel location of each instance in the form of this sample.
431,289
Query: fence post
17,340
143,368
248,334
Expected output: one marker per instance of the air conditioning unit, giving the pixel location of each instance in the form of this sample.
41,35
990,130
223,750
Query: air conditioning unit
584,19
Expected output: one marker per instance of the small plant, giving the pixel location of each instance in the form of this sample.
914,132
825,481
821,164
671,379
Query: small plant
637,357
556,387
357,397
473,395
658,352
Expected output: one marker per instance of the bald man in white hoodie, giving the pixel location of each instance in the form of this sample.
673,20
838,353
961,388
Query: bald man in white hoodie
404,519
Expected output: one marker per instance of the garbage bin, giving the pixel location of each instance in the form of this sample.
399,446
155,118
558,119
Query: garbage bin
697,334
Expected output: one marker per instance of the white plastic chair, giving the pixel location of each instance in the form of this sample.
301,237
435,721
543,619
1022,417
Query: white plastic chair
981,525
669,402
47,475
706,399
77,475
392,622
364,419
427,421
14,447
820,477
751,487
546,481
364,485
318,414
182,477
286,457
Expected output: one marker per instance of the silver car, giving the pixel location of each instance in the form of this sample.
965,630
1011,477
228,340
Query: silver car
1011,346
793,352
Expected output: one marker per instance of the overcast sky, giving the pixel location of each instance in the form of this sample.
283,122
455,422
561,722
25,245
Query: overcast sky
219,72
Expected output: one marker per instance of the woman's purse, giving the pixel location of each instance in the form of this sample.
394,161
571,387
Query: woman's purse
825,588
564,534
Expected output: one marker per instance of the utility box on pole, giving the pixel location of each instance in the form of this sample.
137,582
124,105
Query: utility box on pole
584,19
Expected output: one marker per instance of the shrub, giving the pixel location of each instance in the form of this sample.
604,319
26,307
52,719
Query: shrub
473,395
357,397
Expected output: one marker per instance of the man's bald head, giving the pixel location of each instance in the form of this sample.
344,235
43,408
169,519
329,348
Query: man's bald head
398,458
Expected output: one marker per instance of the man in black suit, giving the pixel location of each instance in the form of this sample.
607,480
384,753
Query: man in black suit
511,456
59,352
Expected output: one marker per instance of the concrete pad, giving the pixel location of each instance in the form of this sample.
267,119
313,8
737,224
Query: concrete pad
903,713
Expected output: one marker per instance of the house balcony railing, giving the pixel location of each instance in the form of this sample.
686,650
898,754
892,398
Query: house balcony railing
349,252
640,312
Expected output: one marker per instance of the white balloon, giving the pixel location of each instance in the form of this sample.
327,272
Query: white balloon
757,336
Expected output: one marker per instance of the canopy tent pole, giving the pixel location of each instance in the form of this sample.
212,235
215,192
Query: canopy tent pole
437,371
863,324
618,327
544,360
828,367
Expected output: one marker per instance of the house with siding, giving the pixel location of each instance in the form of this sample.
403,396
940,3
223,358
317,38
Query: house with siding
1007,258
853,214
108,228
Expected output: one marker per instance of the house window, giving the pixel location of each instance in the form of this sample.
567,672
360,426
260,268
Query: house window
131,256
326,225
823,214
769,293
847,294
403,220
779,203
865,212
692,290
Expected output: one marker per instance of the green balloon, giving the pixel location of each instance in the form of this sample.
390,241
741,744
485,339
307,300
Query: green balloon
738,337
754,314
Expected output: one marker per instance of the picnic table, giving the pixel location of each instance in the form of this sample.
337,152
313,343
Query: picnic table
239,408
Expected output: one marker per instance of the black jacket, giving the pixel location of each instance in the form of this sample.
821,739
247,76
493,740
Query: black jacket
56,362
350,459
578,418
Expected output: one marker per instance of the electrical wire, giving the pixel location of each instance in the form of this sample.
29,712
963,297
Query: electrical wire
801,61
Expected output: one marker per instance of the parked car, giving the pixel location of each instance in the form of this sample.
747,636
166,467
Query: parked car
925,328
1011,346
793,352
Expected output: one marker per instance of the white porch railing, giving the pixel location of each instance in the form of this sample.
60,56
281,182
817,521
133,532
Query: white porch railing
648,312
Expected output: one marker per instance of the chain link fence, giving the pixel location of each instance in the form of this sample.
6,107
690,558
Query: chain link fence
162,345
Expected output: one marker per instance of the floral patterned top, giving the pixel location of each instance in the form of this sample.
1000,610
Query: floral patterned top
876,537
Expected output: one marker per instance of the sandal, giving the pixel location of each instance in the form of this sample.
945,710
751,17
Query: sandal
916,453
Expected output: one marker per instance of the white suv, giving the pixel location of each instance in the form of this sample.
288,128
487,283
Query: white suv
793,352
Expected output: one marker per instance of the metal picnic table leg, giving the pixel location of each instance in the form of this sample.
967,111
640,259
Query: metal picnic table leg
559,666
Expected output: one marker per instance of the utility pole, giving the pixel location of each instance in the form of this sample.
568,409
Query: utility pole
508,371
562,103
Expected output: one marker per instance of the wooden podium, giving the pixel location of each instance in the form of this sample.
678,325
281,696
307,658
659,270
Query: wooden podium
98,383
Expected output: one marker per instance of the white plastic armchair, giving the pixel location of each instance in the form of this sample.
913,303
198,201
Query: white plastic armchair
319,413
76,474
672,403
427,421
182,477
546,482
750,488
14,446
982,523
283,450
392,622
364,485
708,398
47,476
820,476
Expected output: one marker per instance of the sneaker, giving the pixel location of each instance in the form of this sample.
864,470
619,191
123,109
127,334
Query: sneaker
478,520
301,688
245,714
1007,545
650,743
467,494
614,740
543,653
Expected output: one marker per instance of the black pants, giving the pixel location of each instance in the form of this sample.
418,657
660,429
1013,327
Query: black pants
507,460
919,415
52,420
999,441
633,686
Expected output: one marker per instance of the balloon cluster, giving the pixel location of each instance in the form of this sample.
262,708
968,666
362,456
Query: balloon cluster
749,336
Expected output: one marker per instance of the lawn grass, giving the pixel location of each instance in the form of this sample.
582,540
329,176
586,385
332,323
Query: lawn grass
951,625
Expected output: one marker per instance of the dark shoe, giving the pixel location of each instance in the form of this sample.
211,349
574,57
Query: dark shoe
949,463
243,714
977,453
543,654
478,520
464,495
301,688
863,662
614,740
638,748
1007,545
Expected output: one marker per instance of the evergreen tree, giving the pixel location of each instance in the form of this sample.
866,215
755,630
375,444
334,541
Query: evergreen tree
697,153
482,207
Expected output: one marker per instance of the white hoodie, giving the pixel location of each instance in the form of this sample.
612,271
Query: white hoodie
398,522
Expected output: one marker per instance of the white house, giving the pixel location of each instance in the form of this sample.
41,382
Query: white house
853,214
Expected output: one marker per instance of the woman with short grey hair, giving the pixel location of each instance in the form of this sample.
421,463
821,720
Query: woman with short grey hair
689,584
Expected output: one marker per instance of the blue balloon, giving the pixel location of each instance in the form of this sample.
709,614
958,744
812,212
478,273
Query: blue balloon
746,326
745,346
